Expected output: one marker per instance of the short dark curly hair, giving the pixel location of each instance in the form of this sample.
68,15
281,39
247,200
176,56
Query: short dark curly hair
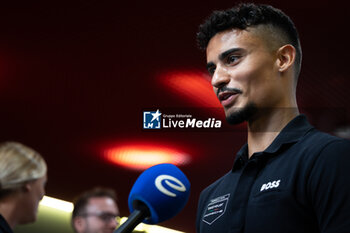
247,15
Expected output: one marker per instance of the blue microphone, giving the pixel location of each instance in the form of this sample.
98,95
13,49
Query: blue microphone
158,194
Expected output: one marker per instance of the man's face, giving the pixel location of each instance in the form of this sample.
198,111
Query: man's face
101,213
244,73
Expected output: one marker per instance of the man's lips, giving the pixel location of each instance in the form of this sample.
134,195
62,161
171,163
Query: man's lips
227,95
227,98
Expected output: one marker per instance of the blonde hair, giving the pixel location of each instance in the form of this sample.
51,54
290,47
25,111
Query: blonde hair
19,164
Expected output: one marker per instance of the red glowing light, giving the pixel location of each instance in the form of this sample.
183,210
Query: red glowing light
194,86
141,157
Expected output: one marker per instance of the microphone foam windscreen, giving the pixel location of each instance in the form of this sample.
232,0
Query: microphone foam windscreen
165,190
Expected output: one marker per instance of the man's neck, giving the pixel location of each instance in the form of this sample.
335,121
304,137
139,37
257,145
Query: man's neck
265,128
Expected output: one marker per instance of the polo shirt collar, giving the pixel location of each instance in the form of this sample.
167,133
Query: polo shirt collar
290,134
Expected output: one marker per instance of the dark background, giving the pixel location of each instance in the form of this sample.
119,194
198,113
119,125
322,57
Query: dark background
75,76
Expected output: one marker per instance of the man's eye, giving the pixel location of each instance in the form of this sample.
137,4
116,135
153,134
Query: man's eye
232,59
107,216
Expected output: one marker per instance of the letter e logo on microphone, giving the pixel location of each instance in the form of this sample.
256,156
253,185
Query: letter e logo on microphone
178,186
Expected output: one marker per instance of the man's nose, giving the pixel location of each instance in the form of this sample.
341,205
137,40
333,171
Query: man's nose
220,77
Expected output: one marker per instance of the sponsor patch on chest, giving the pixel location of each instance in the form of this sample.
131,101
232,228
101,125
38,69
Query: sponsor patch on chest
215,209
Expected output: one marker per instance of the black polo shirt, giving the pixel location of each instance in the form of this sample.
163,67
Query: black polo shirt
300,183
4,226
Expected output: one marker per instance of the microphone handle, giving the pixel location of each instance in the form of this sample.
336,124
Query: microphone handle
137,216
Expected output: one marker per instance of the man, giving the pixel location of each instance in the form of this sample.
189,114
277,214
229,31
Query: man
289,177
95,211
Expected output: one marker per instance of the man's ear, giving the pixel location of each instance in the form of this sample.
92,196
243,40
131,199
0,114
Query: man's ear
79,224
285,57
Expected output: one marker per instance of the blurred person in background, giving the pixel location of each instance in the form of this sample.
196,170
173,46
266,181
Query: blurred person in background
96,211
23,175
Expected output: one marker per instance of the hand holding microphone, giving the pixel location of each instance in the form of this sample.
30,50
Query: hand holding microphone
158,194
